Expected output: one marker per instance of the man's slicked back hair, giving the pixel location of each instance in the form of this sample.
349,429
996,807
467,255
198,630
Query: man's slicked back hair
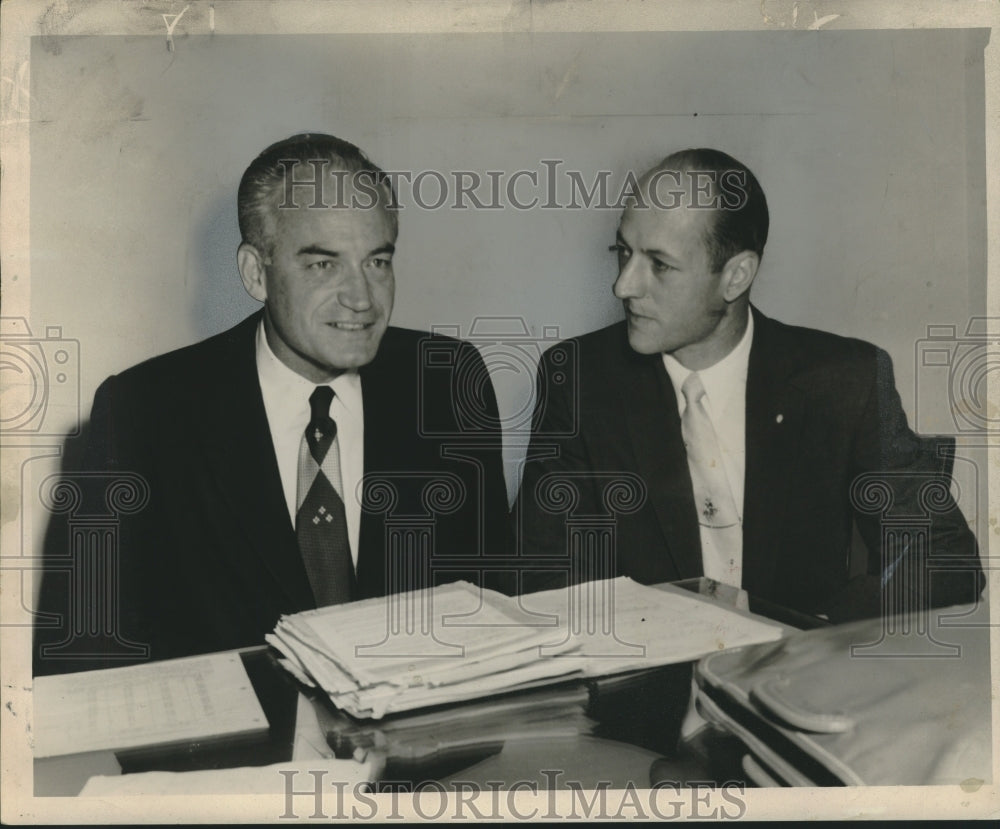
263,185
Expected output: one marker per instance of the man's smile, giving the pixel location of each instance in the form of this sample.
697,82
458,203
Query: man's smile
350,326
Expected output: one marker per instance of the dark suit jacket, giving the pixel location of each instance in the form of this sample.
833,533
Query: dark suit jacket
212,561
821,410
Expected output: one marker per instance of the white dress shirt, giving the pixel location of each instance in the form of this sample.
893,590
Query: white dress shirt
286,402
725,401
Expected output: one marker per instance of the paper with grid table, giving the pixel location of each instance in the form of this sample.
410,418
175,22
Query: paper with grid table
159,703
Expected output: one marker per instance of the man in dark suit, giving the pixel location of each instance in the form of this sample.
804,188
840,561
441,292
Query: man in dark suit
310,455
716,441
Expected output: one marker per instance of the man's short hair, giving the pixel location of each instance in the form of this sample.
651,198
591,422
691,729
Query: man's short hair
263,186
741,223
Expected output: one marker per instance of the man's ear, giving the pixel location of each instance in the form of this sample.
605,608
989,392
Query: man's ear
252,271
738,274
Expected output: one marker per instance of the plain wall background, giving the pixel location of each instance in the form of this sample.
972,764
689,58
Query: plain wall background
869,146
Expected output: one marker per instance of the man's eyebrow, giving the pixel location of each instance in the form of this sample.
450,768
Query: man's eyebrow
316,250
319,250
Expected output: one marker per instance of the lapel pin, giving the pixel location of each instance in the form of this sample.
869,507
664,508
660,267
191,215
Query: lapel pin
779,418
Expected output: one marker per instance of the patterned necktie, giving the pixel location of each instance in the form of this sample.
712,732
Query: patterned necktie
320,522
719,522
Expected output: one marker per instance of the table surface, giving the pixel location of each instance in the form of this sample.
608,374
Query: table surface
616,729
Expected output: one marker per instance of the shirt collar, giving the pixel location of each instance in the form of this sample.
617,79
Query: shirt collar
286,384
723,379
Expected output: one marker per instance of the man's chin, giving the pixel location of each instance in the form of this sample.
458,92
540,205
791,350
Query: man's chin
642,344
352,349
349,360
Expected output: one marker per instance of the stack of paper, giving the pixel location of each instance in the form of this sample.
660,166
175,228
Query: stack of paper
458,642
428,736
415,650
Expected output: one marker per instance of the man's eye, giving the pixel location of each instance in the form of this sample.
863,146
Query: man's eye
382,262
321,264
660,266
622,251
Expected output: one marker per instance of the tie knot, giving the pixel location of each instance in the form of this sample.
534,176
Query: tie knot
319,402
693,390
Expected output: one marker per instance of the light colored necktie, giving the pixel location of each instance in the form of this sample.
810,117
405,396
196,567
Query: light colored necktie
719,521
320,519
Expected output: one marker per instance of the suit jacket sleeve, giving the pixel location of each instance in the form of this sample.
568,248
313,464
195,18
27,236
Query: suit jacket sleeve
921,550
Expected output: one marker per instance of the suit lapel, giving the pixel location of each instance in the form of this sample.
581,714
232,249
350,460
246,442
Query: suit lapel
655,431
240,452
773,431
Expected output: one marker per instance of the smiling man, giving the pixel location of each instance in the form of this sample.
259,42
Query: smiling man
738,443
300,459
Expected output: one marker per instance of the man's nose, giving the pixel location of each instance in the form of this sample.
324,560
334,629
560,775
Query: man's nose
354,292
628,283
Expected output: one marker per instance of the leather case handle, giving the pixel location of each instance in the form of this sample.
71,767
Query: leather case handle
770,694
